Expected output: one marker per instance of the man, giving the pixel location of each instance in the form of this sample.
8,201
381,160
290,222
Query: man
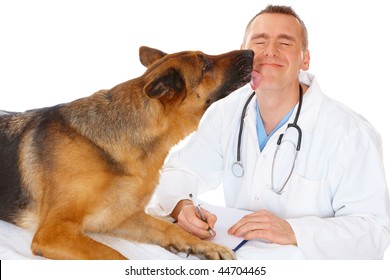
330,200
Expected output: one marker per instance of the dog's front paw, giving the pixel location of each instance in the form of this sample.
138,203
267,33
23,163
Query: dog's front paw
204,250
182,241
217,252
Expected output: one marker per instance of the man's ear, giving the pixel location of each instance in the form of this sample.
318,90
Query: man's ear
165,84
306,60
149,55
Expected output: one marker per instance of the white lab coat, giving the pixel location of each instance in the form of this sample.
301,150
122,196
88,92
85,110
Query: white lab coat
336,201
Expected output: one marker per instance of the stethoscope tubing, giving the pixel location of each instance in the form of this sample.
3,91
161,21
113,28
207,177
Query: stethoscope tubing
237,167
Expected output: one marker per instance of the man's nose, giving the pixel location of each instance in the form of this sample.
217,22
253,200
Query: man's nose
270,50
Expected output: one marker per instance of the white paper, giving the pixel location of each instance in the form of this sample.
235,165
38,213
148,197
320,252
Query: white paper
226,217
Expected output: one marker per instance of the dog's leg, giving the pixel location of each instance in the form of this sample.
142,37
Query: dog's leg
66,241
147,229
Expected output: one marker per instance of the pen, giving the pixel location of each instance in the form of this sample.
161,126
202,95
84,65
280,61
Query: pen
242,243
202,215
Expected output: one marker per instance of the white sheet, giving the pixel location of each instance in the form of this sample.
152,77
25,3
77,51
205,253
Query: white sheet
15,245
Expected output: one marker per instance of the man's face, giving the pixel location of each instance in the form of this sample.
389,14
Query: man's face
276,40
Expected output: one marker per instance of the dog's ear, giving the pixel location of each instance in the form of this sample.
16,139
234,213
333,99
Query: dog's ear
149,55
166,84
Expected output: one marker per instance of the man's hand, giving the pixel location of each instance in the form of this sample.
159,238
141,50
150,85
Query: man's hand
188,219
265,225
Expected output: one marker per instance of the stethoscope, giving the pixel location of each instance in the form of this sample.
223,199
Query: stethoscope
238,168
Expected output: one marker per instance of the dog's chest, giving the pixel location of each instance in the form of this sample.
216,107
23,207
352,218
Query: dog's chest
123,200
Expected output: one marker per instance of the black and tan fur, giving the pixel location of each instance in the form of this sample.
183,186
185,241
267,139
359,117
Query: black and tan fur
91,165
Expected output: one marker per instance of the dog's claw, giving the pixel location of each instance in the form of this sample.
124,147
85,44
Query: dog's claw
173,249
189,251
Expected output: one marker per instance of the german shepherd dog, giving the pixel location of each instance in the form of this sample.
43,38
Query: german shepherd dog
91,165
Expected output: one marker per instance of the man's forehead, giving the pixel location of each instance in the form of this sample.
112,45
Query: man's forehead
267,24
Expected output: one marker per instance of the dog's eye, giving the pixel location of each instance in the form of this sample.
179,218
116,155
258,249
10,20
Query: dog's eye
206,63
206,66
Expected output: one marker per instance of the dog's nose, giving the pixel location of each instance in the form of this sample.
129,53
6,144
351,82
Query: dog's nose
249,53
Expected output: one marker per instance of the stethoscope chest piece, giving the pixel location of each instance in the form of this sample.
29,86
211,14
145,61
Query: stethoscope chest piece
238,169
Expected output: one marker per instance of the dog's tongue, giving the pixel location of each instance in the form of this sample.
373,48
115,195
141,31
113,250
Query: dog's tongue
255,80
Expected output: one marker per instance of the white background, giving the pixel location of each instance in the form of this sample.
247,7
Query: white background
56,51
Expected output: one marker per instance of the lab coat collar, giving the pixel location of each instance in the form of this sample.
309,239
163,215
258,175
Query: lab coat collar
311,105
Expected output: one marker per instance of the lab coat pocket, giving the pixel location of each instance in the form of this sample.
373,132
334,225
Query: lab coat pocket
303,197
